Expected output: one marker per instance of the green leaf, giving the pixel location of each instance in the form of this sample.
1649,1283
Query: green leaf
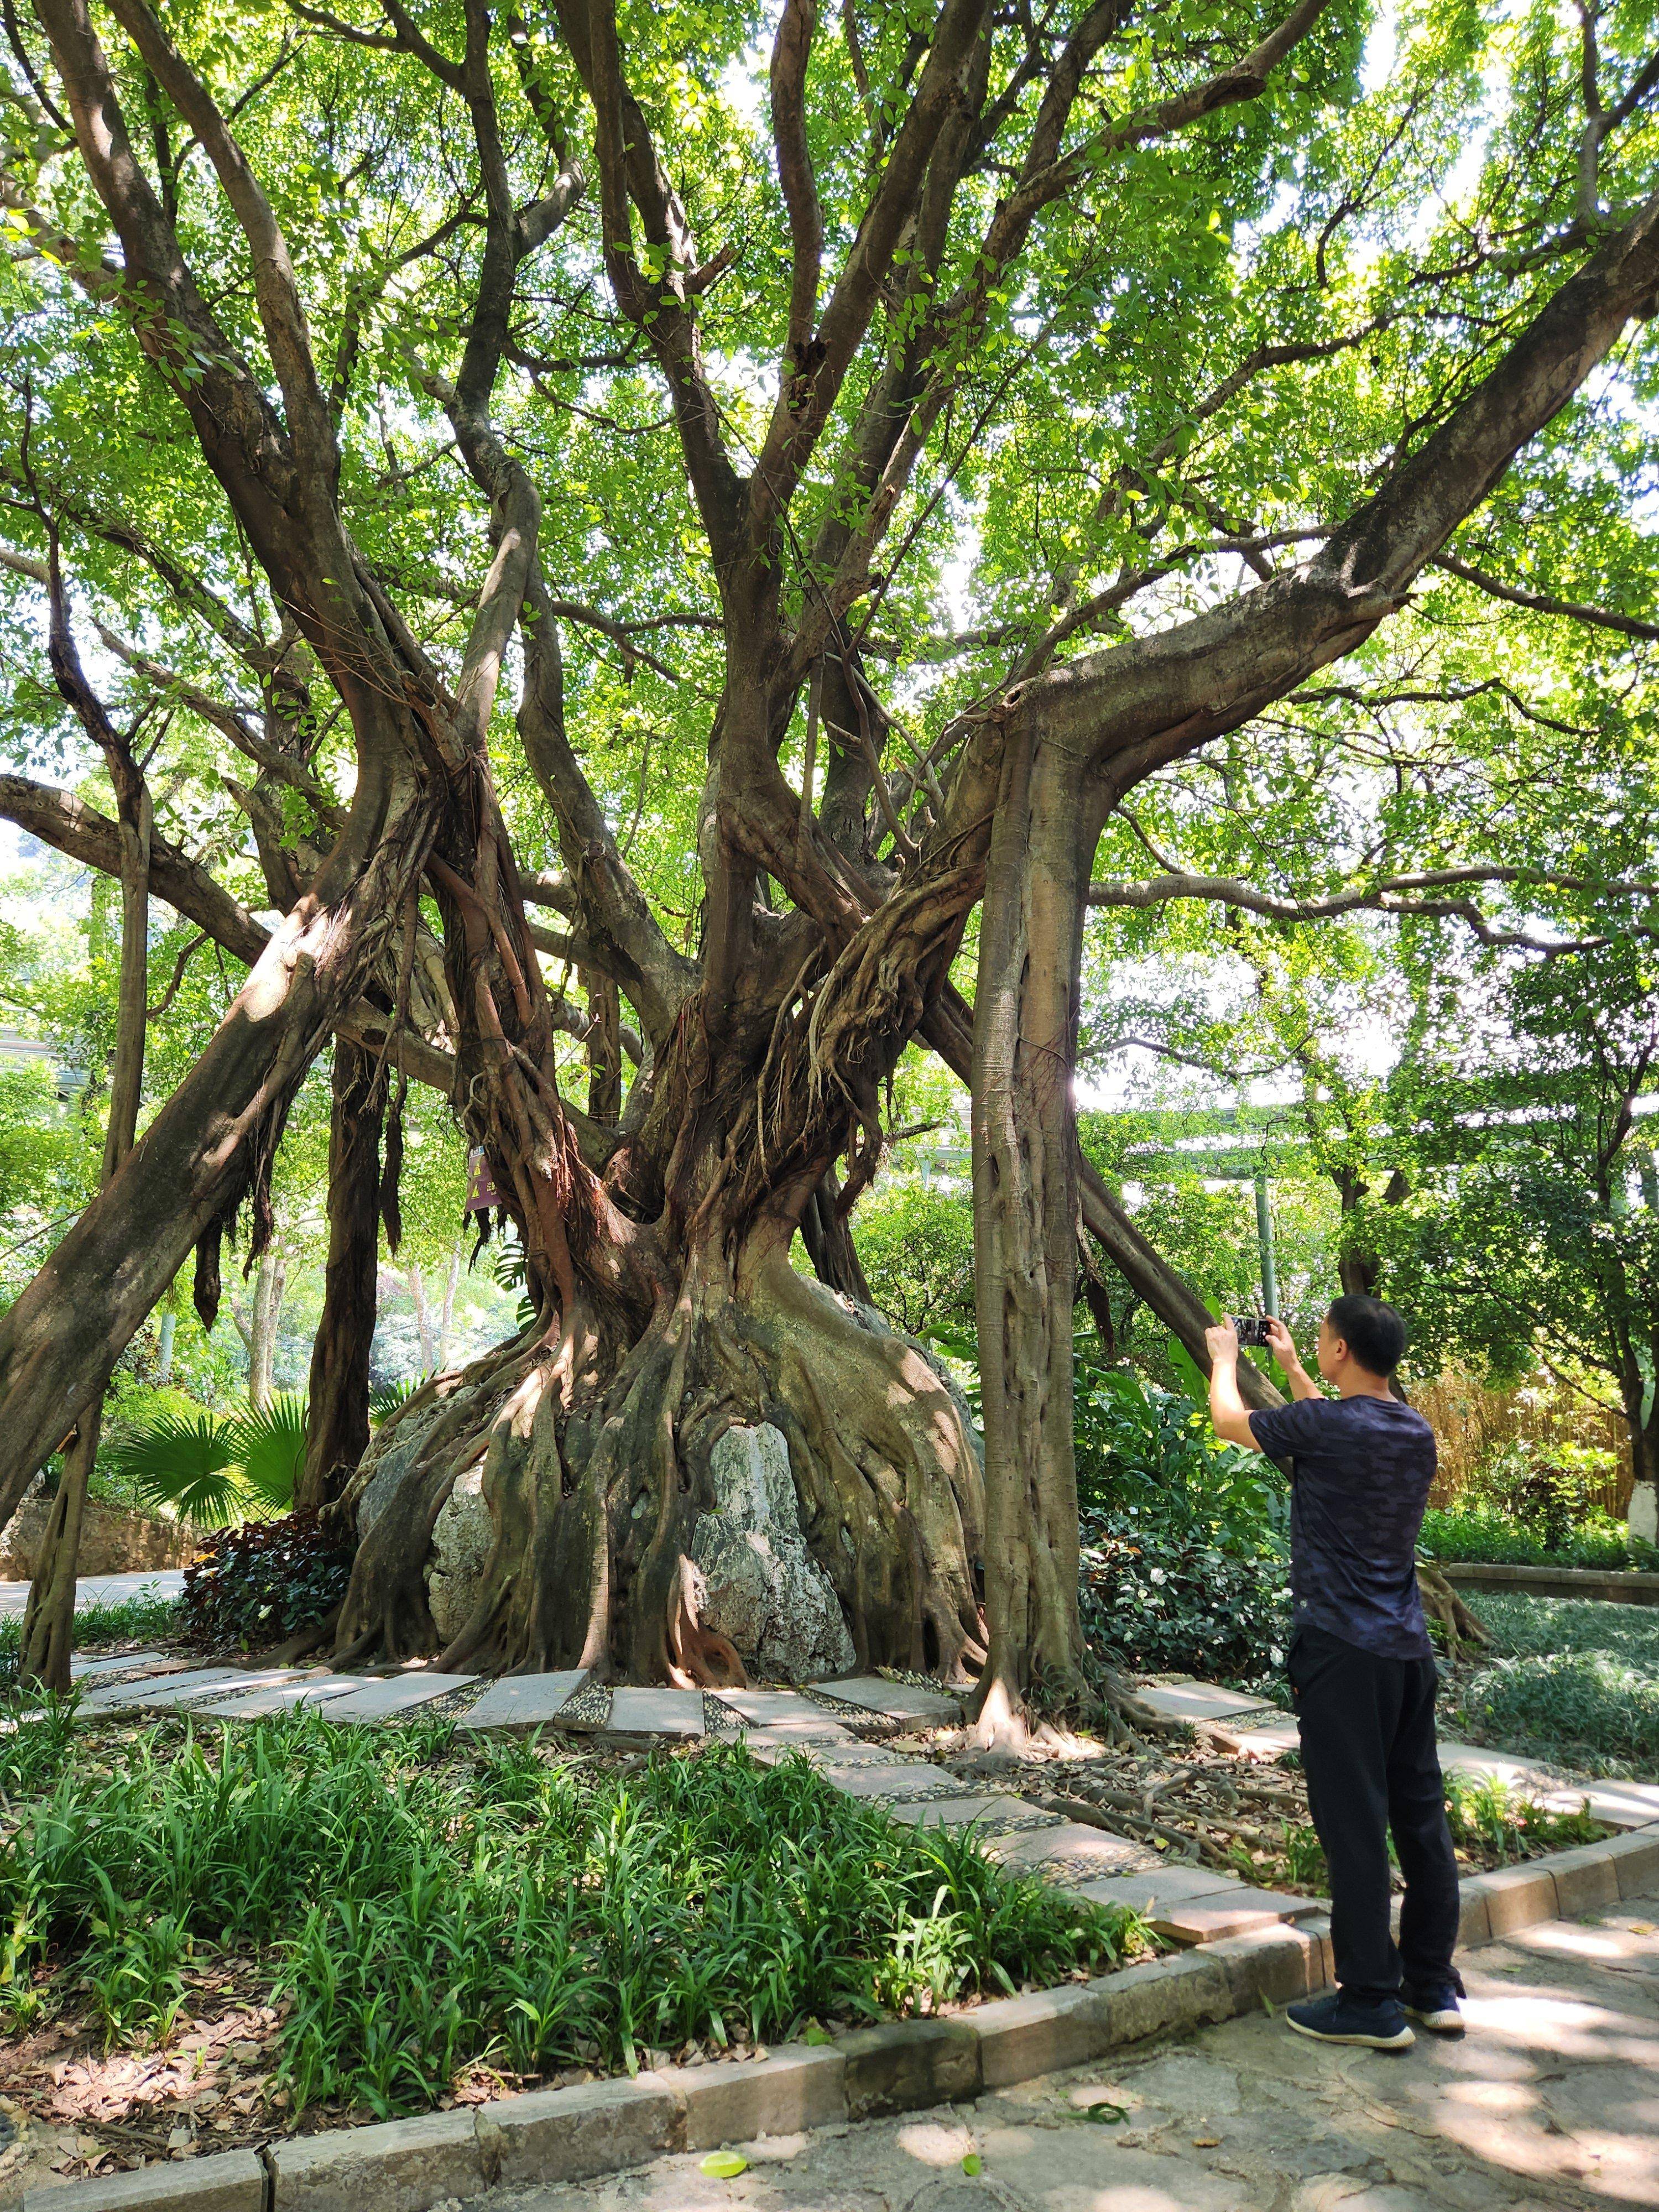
972,2163
724,2165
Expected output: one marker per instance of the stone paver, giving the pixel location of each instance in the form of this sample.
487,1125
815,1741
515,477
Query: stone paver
396,1693
1199,1701
169,1690
783,1717
655,1712
1550,2104
1072,1853
894,1701
135,1663
907,1780
525,1701
279,1697
992,1813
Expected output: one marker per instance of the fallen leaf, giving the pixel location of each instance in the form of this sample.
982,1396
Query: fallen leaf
815,2034
1105,2115
724,2165
1206,2143
972,2163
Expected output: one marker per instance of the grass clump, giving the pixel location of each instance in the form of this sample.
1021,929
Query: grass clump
1497,1823
1522,1625
415,1910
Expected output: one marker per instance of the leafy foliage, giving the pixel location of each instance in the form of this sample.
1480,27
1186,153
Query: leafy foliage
253,1585
418,1910
1184,1565
211,1468
186,1461
1482,1533
916,1246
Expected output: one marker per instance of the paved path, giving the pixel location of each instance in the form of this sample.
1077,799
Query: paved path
103,1590
1551,2104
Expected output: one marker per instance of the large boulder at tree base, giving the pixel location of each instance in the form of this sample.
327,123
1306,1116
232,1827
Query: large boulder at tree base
462,1538
760,1586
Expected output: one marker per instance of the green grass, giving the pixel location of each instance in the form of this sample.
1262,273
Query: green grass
132,1618
415,1908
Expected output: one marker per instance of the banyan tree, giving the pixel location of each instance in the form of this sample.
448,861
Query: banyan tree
678,525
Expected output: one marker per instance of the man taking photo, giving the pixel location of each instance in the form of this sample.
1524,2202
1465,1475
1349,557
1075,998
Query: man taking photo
1361,1666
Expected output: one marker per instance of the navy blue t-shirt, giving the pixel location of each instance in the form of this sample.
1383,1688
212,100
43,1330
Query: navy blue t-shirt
1363,1470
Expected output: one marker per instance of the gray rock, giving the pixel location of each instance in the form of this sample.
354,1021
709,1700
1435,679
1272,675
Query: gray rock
463,1537
760,1585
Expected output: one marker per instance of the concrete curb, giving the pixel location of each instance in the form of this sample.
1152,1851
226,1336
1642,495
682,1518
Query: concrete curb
570,2135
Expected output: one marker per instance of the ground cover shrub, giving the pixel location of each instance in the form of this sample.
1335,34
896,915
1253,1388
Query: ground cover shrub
1487,1533
124,1622
415,1910
1184,1566
257,1582
1591,1709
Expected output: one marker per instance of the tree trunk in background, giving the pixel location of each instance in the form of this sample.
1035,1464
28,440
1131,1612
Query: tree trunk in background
417,1282
164,1351
452,1284
1165,1291
337,1430
604,1047
48,1632
270,1283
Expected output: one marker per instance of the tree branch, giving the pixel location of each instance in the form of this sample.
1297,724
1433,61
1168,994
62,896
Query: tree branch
1541,602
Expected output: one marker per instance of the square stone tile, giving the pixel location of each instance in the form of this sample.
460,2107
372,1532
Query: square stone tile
1199,1701
655,1712
285,1696
783,1717
906,1781
172,1689
135,1663
525,1701
397,1693
1158,1886
998,1812
1071,1852
1233,1910
894,1701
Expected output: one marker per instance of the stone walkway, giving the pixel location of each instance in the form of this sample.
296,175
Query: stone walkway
1550,2104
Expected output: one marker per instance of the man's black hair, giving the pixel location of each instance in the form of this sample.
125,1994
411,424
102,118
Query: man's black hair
1372,1331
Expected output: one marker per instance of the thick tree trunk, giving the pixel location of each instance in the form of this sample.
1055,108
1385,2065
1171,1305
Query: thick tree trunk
48,1630
337,1431
1025,1152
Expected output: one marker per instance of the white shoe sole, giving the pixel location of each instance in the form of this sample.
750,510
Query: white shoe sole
1437,2023
1403,2041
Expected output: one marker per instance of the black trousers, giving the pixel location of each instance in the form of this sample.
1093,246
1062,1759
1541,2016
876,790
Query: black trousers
1367,1751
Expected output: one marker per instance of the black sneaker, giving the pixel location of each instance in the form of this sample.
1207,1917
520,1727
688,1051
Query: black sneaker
1435,2006
1338,2019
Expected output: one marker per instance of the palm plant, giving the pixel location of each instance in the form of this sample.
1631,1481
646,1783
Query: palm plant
213,1470
187,1462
